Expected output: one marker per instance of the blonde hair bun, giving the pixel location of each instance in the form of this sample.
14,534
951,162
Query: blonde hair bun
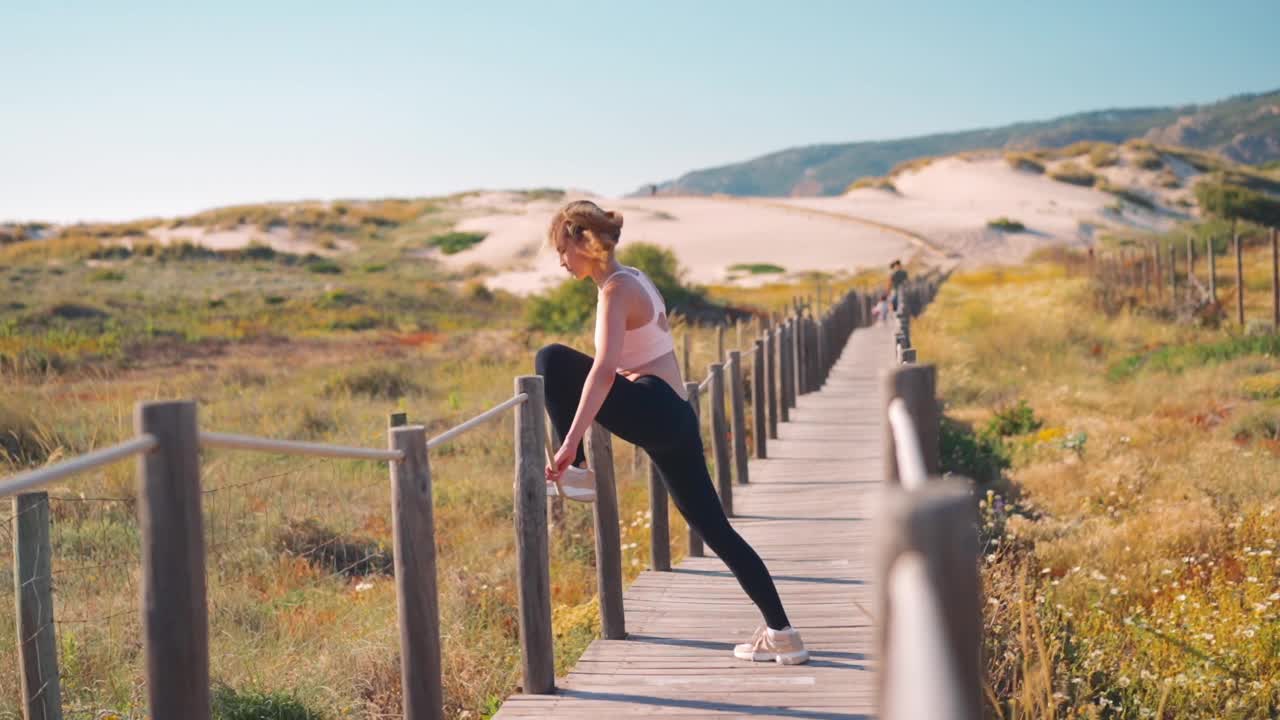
596,231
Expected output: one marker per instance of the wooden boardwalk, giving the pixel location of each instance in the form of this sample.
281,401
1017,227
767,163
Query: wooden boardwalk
807,512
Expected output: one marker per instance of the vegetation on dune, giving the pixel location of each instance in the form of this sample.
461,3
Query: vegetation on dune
1024,161
758,268
1235,202
874,183
1073,174
1006,224
451,243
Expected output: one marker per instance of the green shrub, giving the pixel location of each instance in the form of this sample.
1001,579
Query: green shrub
1147,160
322,266
664,270
451,243
1176,358
758,268
229,704
379,383
1234,202
1102,155
1073,174
331,552
1017,419
978,456
1024,161
107,276
1006,224
1128,195
564,309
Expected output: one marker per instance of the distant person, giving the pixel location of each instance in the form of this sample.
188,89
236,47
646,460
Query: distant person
880,312
897,276
653,190
633,388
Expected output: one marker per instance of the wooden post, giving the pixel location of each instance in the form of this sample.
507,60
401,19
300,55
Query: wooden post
417,599
737,404
771,344
784,372
737,330
1173,273
688,329
720,342
1191,263
1155,251
33,580
691,389
927,567
1239,278
720,439
599,451
1213,270
917,386
1275,281
759,403
533,579
802,354
175,610
659,521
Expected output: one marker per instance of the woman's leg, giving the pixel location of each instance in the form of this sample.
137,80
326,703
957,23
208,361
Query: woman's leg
684,471
627,411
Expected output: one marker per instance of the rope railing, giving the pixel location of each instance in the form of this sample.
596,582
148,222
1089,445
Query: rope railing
31,479
480,419
911,467
230,441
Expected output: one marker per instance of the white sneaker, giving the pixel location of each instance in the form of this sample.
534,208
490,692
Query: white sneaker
575,483
781,646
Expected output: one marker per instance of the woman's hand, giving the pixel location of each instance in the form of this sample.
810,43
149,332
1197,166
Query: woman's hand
563,459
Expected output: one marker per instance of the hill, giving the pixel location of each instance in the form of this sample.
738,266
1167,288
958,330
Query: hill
1244,128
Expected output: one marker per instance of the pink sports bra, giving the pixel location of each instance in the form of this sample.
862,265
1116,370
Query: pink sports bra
647,342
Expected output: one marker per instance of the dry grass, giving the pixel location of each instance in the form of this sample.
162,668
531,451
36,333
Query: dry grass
1136,573
300,602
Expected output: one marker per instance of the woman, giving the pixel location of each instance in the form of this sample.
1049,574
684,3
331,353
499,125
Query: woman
634,389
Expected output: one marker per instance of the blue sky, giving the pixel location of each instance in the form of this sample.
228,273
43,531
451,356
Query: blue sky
128,109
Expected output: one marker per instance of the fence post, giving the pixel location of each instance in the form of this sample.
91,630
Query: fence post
720,342
417,599
599,451
691,389
928,557
1173,273
688,329
533,579
175,610
1239,278
802,354
659,521
33,583
916,385
737,404
1213,270
1191,263
720,439
1154,249
758,402
784,373
1275,281
771,344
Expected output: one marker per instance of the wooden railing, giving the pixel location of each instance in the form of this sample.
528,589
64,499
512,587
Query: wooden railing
791,356
929,614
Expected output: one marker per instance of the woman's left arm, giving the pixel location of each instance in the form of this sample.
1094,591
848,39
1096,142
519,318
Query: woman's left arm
611,326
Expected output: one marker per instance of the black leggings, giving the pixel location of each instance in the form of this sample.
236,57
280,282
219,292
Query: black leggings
649,413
